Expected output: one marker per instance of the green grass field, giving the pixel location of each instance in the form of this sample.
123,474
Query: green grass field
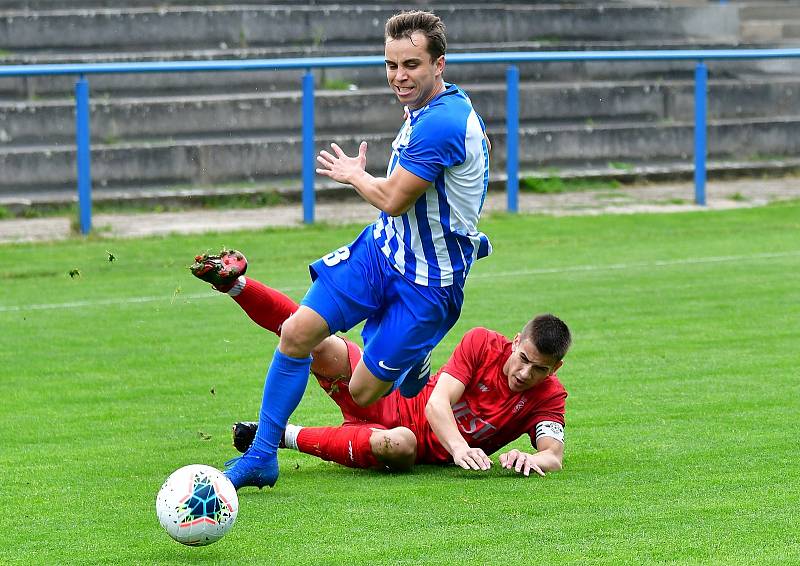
682,422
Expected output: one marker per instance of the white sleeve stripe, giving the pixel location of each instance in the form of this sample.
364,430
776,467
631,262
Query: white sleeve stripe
550,429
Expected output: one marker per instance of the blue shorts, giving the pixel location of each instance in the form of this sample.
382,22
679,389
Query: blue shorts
404,321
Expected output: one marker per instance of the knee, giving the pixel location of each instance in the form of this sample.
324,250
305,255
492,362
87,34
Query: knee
331,359
396,448
297,339
405,445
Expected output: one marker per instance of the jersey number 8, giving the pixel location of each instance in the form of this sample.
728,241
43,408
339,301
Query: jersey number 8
334,258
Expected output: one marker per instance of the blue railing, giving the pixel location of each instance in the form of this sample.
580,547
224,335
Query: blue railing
308,64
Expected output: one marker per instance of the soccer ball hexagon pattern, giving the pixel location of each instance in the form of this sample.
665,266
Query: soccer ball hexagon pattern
197,505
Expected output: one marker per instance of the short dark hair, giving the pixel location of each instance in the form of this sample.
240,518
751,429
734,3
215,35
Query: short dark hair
549,334
405,24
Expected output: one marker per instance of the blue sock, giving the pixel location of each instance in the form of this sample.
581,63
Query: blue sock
283,389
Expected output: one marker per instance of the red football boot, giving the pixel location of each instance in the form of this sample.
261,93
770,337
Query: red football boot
221,270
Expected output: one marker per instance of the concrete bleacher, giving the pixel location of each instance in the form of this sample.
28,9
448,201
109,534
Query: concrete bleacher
241,130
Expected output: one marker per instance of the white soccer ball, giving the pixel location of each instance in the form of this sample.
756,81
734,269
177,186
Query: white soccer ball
197,505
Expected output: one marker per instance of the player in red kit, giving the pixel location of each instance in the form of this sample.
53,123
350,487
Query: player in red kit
490,392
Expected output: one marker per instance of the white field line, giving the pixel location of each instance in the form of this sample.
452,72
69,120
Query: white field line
618,266
515,273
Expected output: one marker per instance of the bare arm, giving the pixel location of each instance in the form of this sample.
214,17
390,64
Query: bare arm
548,458
439,412
393,195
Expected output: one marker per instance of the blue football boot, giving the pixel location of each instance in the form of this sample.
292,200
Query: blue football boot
412,382
251,469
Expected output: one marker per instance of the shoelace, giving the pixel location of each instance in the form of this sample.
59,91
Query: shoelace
230,463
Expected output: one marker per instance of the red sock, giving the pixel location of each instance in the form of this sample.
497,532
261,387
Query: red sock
267,307
346,445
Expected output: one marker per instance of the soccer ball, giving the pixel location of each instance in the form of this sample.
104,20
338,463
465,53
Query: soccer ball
197,505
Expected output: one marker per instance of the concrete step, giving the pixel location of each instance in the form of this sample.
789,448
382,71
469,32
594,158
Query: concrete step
59,5
40,56
769,11
773,22
375,110
779,31
261,158
265,25
740,139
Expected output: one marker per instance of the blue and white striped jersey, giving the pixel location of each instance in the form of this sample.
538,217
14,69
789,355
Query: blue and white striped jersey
436,241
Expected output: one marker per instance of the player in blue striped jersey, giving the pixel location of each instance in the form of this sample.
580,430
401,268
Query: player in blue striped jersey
404,275
436,240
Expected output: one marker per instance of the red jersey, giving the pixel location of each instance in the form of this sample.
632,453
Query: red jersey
489,415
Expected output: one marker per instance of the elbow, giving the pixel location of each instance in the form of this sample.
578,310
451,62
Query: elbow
394,209
396,206
430,410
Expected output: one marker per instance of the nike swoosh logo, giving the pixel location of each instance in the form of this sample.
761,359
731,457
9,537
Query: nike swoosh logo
384,366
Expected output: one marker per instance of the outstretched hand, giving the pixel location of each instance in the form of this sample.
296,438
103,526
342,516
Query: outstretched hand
521,462
472,459
341,167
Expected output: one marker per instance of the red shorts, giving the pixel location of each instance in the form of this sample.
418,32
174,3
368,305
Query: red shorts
383,412
391,411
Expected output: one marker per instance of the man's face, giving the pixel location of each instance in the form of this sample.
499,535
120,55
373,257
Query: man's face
414,78
526,367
